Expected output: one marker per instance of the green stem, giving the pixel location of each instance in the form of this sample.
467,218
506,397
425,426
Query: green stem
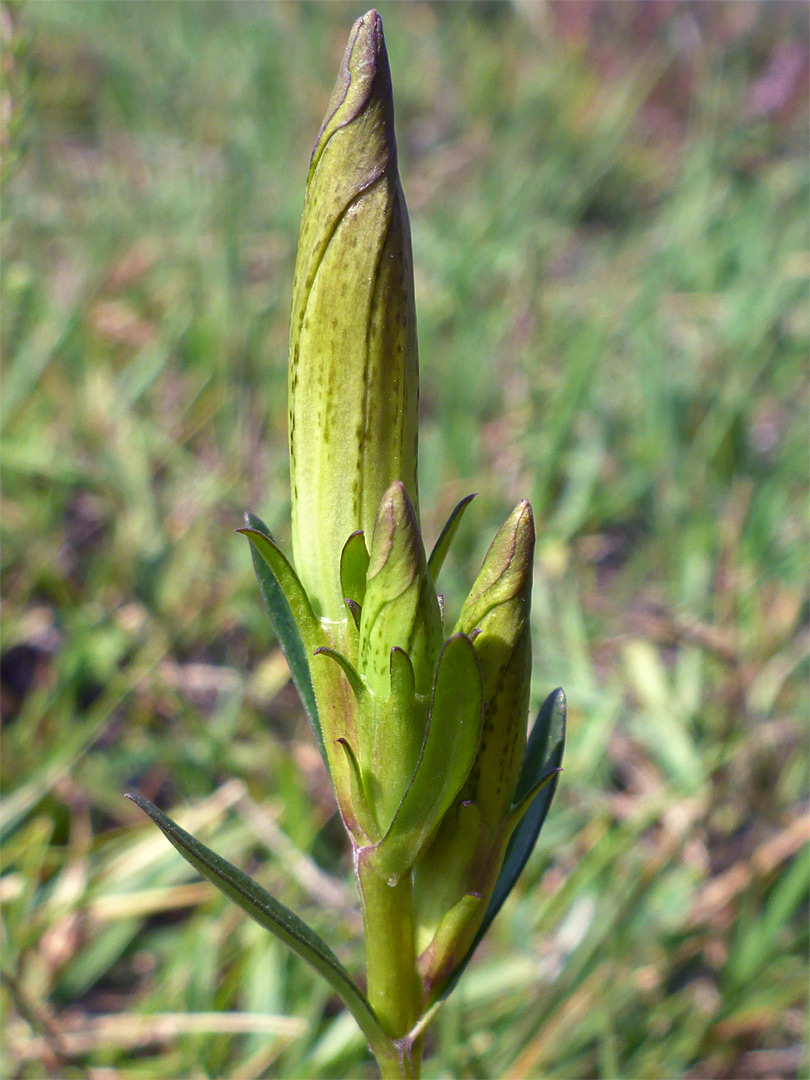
392,983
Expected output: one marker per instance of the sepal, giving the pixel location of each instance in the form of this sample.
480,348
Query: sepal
353,569
355,679
400,609
442,545
451,744
362,810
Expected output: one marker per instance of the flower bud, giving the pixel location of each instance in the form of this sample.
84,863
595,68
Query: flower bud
353,373
496,616
400,607
456,876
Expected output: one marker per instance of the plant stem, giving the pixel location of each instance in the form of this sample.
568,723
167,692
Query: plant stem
392,983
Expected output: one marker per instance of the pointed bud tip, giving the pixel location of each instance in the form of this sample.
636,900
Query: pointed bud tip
366,42
506,572
364,76
524,529
395,506
523,517
369,29
513,545
395,513
396,495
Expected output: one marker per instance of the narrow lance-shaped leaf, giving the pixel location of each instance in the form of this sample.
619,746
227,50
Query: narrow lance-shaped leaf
544,753
269,913
289,611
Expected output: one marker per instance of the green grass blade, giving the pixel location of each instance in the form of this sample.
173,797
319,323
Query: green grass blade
269,913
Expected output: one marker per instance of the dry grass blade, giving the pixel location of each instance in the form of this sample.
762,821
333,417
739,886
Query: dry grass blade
84,1035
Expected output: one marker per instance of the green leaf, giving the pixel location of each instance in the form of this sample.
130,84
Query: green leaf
448,752
442,545
541,767
544,749
294,622
272,915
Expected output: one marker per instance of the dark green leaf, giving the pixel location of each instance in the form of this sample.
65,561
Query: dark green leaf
289,611
269,913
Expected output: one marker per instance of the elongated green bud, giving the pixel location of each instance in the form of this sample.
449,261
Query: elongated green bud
353,373
400,608
399,642
455,877
496,615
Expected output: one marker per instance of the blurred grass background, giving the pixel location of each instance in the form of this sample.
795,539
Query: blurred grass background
609,205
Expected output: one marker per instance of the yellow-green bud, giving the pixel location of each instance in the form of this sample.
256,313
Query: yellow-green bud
399,642
400,608
455,877
353,373
496,616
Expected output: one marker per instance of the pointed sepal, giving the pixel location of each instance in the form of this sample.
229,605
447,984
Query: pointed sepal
365,818
435,963
442,545
355,680
451,744
353,569
400,609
